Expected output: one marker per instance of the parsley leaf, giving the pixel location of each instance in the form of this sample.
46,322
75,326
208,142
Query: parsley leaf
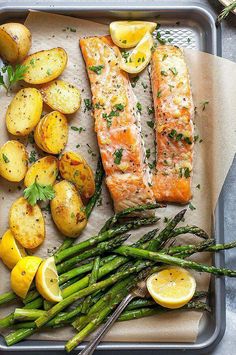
150,124
32,158
191,206
37,192
139,107
118,156
13,75
5,158
97,69
88,105
173,71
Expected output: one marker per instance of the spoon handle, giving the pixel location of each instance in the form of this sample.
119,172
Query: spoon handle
90,348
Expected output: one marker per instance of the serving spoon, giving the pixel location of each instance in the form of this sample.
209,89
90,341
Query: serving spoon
140,290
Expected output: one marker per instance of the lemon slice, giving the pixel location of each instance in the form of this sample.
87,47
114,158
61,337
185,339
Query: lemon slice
127,34
47,281
139,57
10,250
172,287
23,274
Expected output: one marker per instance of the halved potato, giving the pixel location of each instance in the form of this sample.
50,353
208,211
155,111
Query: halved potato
51,134
27,223
44,171
13,161
73,167
67,209
61,96
24,112
44,66
15,42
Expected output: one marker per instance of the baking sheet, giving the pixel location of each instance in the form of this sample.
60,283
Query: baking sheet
213,158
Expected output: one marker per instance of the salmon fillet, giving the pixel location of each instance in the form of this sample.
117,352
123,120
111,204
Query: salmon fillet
117,124
174,128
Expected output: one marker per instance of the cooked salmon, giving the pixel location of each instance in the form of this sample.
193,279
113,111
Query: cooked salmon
117,123
174,127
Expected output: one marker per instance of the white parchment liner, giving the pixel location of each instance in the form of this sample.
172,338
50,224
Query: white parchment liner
213,79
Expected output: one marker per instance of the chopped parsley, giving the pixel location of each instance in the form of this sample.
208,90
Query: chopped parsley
204,104
172,133
150,110
159,38
171,87
125,55
49,72
179,136
196,138
148,153
118,156
32,158
78,129
150,124
144,85
164,57
113,113
152,165
88,105
5,158
97,69
134,81
164,73
191,206
90,151
159,93
173,71
139,106
184,172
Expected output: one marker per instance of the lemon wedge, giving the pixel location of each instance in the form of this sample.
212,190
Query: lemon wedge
23,274
47,282
172,287
10,250
127,34
139,57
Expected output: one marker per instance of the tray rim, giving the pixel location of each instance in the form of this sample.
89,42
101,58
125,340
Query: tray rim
219,283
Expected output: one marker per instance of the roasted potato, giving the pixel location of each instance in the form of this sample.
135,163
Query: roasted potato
15,42
73,167
27,223
45,66
13,161
24,112
67,209
61,96
44,171
51,133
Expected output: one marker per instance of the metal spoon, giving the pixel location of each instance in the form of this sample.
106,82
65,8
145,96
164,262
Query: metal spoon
139,291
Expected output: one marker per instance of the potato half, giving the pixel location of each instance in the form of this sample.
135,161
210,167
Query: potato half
73,167
13,161
15,42
61,96
45,66
51,133
44,171
27,223
67,209
24,112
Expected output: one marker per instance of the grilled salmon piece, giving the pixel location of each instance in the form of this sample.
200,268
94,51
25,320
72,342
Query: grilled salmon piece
174,128
117,123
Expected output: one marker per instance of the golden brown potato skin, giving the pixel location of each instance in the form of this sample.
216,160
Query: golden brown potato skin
73,167
13,161
27,223
24,112
15,42
44,66
67,209
44,171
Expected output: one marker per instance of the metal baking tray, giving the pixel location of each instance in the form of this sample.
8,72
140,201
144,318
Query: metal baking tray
191,26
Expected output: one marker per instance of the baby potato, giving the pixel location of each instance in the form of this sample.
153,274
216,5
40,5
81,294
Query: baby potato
44,171
13,161
61,96
67,209
51,133
27,223
45,66
15,42
73,167
24,112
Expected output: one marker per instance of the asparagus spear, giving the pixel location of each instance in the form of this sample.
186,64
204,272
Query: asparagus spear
92,280
149,311
7,297
166,232
187,250
100,249
115,218
190,229
98,188
167,259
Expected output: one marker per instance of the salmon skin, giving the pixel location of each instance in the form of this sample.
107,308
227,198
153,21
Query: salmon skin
174,111
117,124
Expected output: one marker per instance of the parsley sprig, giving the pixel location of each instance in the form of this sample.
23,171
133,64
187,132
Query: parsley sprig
97,69
37,192
13,75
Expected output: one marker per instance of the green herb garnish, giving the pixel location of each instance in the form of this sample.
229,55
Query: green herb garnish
97,69
5,158
32,158
88,105
37,192
139,106
150,124
173,71
13,75
118,156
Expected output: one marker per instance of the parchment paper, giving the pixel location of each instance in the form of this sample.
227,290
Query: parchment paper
213,79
